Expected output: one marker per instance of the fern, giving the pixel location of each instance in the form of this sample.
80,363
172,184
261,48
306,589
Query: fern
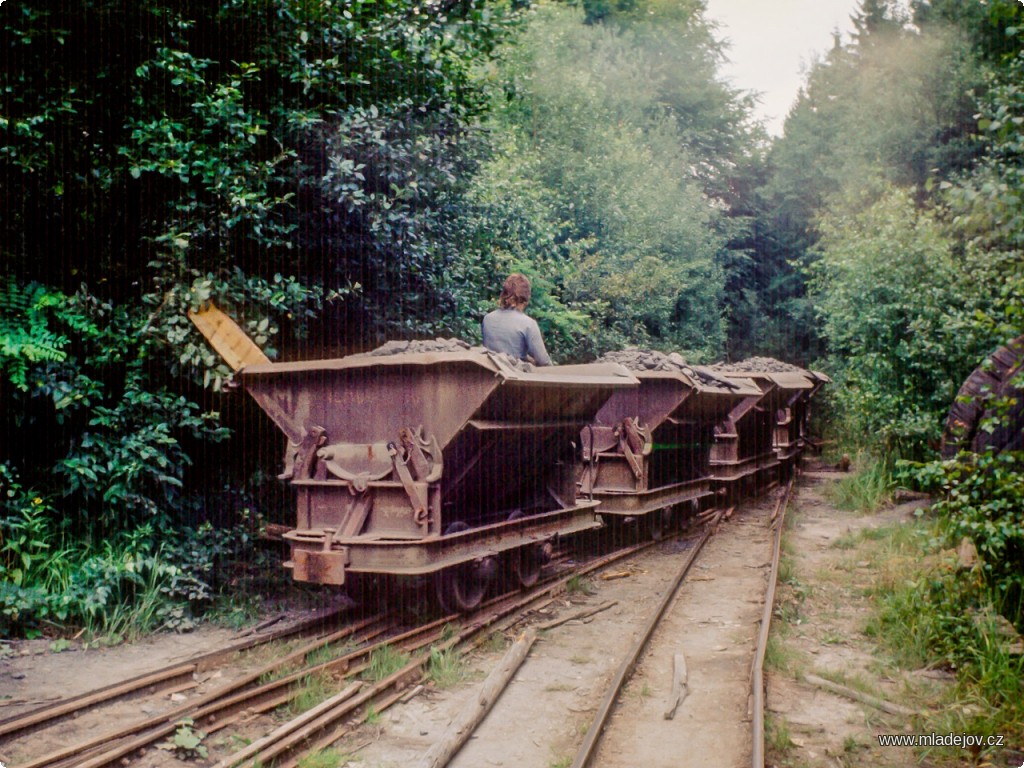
25,334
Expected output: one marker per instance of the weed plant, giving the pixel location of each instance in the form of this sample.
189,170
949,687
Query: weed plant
579,585
328,758
865,490
312,690
931,611
385,661
446,667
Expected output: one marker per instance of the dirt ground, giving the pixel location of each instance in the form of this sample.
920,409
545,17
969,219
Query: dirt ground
820,620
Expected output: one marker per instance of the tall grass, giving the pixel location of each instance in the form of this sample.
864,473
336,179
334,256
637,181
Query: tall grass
930,611
385,661
867,489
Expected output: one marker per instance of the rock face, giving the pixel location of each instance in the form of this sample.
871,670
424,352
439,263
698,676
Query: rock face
652,360
758,365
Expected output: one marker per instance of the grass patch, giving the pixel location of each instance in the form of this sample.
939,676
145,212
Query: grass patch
776,734
496,642
313,689
328,758
446,667
328,653
579,585
930,612
780,657
385,661
864,491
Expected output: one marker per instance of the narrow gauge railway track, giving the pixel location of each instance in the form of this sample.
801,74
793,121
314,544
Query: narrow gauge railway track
582,685
588,750
165,678
248,695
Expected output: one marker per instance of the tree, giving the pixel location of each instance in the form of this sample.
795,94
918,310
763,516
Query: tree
611,175
295,161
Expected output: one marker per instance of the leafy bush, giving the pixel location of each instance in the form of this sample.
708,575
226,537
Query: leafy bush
982,498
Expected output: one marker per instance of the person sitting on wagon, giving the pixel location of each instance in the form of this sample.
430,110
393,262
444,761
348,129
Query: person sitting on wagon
509,329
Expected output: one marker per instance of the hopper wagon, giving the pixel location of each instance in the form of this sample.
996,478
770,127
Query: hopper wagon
647,455
455,465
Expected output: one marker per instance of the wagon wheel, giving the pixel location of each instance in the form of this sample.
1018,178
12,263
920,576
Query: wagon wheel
461,588
657,523
526,563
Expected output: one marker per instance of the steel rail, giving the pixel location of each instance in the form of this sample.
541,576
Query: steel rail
157,679
217,709
224,697
508,607
757,668
597,725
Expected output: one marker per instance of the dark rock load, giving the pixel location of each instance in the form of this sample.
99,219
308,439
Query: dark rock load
758,365
422,346
419,346
652,360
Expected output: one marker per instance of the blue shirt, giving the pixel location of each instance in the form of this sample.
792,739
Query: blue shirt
514,333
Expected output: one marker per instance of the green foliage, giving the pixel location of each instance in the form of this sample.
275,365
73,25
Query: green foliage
311,690
982,498
892,104
888,290
187,743
120,586
603,181
385,661
295,162
446,667
866,490
328,758
25,335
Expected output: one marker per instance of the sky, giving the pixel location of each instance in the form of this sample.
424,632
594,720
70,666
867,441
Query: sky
771,42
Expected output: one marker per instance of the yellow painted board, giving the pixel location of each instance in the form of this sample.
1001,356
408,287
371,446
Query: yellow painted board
227,338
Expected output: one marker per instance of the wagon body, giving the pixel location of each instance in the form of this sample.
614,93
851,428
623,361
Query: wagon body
762,439
650,448
743,453
412,463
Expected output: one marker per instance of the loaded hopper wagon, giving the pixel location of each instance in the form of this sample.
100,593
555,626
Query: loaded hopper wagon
454,464
647,454
763,437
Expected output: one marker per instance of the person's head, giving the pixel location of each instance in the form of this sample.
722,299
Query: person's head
515,293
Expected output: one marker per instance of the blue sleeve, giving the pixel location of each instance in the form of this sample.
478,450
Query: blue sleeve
535,345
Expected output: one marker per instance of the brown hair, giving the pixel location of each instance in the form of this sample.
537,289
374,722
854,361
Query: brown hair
515,293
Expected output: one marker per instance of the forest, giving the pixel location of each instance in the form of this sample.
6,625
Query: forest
339,174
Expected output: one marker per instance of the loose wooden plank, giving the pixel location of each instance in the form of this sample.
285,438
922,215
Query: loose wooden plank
227,338
478,706
680,688
863,698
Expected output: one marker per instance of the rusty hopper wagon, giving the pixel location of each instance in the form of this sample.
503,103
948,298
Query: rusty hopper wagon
743,456
647,454
779,419
449,464
792,424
